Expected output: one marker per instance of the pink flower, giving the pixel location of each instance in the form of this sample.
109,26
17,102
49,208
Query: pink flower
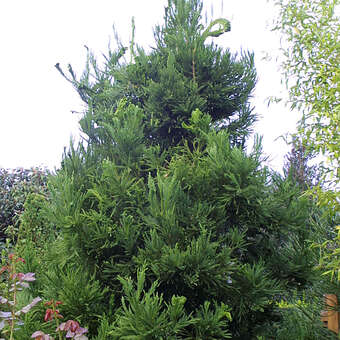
18,276
73,329
23,277
39,335
28,277
27,308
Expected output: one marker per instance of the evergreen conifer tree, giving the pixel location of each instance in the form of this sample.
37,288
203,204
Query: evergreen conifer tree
298,169
181,74
171,228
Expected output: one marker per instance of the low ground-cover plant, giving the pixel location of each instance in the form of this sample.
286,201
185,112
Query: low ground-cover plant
71,327
12,284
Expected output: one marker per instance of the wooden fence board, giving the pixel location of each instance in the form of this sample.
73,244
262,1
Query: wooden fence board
330,316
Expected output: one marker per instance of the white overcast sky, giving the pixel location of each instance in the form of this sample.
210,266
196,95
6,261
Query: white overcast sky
36,122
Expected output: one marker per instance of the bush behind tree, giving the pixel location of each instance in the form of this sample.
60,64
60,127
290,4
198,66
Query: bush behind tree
15,186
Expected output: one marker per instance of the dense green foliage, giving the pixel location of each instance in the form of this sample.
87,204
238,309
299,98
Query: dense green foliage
181,74
207,227
300,319
15,185
159,225
310,67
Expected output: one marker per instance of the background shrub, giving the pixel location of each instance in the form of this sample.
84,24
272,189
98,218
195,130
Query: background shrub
15,185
